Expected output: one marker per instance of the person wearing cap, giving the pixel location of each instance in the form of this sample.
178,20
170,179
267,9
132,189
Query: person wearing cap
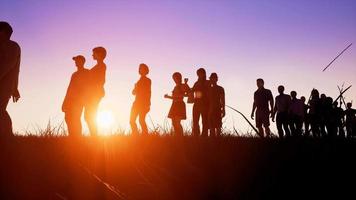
96,85
216,95
10,54
76,96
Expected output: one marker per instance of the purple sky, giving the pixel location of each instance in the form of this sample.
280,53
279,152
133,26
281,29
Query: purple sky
284,42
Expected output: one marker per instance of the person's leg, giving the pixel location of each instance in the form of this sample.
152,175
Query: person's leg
77,122
205,122
133,117
299,125
286,124
279,122
90,116
259,122
196,116
306,125
5,120
142,120
68,120
178,129
341,130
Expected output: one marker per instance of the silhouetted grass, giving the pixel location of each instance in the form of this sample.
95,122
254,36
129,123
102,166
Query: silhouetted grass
51,166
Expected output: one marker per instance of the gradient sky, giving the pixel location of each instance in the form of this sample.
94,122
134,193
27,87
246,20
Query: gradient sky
284,42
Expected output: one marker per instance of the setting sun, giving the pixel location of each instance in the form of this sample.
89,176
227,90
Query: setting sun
105,119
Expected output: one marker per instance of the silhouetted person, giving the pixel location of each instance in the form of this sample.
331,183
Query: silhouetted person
296,114
262,97
142,103
216,95
76,96
201,103
350,120
306,117
340,119
314,113
177,112
330,118
323,115
97,92
281,108
10,54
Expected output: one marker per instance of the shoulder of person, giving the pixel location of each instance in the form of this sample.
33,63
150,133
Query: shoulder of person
14,44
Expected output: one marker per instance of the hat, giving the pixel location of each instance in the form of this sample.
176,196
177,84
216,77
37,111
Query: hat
79,57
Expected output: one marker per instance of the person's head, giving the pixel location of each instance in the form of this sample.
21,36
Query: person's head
329,101
143,69
323,96
201,73
79,61
213,78
177,77
335,104
99,53
5,31
281,89
293,94
315,93
349,105
303,99
260,83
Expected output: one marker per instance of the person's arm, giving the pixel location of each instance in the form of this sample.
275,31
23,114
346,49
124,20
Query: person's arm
274,110
271,101
253,110
223,102
9,60
134,90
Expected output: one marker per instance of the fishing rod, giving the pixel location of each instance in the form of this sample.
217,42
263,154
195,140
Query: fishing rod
337,57
248,121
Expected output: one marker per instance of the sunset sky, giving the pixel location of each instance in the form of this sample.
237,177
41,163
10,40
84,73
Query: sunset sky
283,42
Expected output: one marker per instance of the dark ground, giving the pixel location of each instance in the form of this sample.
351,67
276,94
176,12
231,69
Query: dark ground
169,168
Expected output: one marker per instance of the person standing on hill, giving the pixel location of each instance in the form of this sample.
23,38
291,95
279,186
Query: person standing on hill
281,108
314,112
216,95
96,91
350,120
142,103
77,94
306,117
10,54
263,98
177,112
201,103
296,114
340,119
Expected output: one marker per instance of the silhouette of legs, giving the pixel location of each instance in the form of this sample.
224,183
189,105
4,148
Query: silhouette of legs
133,117
142,120
5,120
197,112
90,116
177,126
141,114
73,121
282,123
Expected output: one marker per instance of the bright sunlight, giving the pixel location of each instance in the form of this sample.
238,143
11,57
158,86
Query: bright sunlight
105,121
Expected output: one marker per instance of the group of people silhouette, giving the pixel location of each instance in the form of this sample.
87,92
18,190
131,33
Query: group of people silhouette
207,97
320,115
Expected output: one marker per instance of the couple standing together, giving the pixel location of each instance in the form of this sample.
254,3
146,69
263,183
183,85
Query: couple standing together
207,97
84,93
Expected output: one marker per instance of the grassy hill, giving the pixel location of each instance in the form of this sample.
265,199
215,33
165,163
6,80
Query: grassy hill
154,167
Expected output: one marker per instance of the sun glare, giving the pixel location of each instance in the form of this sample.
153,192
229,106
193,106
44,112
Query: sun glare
105,120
